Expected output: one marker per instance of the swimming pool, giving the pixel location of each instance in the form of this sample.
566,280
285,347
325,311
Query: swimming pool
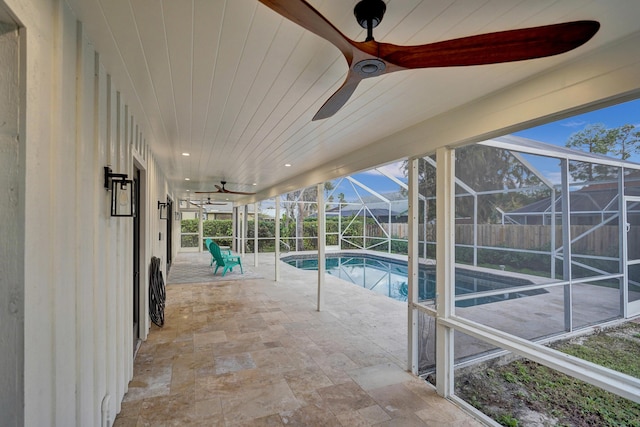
389,277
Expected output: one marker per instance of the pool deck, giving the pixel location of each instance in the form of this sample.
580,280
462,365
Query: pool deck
532,317
245,350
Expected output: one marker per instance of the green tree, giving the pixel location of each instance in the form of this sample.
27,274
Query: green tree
487,169
627,141
594,138
482,168
426,185
302,205
620,142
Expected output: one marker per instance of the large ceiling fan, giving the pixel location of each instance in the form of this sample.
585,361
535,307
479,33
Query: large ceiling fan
371,58
222,189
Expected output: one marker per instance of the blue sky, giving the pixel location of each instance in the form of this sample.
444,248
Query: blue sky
559,132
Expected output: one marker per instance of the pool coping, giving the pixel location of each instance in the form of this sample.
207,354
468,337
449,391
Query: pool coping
518,279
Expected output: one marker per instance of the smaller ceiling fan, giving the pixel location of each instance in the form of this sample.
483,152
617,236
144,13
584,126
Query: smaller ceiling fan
209,202
221,189
371,58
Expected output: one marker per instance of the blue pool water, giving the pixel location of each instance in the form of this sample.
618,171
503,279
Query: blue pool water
389,277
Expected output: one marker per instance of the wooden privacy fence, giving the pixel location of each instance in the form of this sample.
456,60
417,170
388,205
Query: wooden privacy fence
602,241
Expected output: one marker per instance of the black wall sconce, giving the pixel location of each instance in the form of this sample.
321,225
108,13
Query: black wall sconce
162,207
123,193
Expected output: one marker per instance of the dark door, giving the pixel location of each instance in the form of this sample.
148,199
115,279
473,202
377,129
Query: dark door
136,263
169,232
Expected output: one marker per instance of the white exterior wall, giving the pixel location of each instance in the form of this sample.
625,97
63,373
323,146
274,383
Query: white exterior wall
77,276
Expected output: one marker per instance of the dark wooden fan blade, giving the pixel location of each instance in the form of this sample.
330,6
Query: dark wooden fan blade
303,14
225,191
492,48
339,98
238,192
209,202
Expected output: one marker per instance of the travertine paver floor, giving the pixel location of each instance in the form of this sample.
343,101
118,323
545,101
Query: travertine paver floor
256,352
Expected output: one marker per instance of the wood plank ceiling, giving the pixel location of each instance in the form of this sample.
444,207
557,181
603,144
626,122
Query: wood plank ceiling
236,85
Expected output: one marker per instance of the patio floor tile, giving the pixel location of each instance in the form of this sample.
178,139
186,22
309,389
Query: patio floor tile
254,352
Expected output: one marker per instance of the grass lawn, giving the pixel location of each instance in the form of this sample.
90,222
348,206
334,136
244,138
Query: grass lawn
524,393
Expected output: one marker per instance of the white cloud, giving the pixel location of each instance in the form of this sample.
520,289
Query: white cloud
573,124
554,177
393,169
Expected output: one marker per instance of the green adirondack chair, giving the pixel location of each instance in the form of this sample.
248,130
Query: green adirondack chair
207,242
226,261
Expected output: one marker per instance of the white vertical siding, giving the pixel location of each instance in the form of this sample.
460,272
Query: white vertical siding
77,259
122,310
113,274
101,243
85,167
38,169
63,243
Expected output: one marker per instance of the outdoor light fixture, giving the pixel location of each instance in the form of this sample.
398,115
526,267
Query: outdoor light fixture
123,194
162,207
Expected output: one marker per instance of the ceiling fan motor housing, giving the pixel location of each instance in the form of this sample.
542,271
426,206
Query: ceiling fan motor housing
369,68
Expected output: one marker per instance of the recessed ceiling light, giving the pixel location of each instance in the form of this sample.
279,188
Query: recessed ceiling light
287,165
186,154
187,179
255,183
188,190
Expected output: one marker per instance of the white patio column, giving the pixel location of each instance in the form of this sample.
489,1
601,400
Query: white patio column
623,245
412,279
340,226
389,231
321,244
553,232
475,229
245,227
234,226
201,212
424,226
566,245
445,267
277,240
241,230
255,234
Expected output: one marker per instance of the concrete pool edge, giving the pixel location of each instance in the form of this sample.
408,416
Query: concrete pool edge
469,281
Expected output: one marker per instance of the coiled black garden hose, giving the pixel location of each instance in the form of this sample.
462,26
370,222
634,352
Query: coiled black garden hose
157,295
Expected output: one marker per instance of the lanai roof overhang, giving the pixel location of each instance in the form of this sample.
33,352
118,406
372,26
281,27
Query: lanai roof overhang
236,85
